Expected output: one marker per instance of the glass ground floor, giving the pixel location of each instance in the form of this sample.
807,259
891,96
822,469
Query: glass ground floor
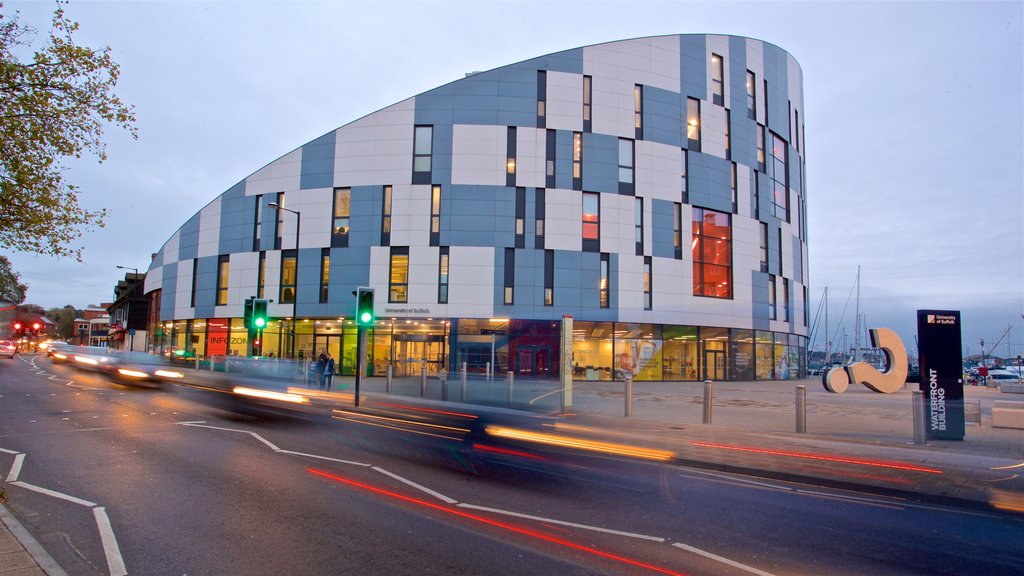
529,348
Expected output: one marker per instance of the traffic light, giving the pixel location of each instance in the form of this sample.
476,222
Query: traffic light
259,314
17,326
35,326
364,306
247,321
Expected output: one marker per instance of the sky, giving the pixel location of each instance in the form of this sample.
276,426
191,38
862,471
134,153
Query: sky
914,127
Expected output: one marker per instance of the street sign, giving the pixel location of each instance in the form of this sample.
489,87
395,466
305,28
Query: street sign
938,333
131,331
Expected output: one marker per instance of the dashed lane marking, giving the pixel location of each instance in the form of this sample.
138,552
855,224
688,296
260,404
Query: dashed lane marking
721,559
419,487
115,562
53,493
563,523
19,460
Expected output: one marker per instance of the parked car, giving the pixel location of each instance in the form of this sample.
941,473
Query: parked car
8,348
1003,377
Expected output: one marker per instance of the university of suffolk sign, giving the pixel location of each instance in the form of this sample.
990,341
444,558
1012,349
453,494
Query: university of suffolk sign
941,376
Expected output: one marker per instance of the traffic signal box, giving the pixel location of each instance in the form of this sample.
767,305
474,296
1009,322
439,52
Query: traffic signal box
259,314
247,318
364,306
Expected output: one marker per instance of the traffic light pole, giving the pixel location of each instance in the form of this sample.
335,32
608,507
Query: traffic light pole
360,346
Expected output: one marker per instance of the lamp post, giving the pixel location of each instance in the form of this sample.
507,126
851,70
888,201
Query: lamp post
295,294
128,312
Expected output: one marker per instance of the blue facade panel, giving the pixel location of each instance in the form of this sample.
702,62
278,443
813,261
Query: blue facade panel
350,268
570,61
693,63
307,289
441,163
563,159
168,290
206,286
365,211
317,169
663,228
710,182
435,107
776,73
759,303
188,245
600,163
798,260
237,213
478,216
663,116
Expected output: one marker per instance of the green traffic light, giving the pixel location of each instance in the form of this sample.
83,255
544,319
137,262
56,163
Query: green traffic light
365,318
260,322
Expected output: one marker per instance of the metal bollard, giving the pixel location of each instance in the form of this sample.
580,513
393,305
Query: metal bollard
920,430
389,378
487,372
213,360
801,409
707,401
423,381
629,397
464,370
442,375
510,377
197,362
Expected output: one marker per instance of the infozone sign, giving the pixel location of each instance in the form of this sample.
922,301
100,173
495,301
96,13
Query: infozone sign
938,332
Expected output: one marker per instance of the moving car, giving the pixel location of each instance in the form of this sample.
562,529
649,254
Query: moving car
8,348
141,368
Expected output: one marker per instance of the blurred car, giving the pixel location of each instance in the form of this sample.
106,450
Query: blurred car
8,348
97,358
141,368
996,377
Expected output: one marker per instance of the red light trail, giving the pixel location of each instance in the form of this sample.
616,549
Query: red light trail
822,457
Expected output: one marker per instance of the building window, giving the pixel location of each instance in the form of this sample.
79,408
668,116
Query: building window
780,250
549,163
638,225
279,222
751,96
398,279
764,246
289,266
604,280
257,223
677,230
779,175
796,128
647,283
760,148
510,156
422,154
442,276
685,178
223,269
638,110
325,272
549,277
693,124
261,276
510,275
807,306
577,161
385,217
712,253
728,137
626,163
785,299
717,87
340,223
735,189
591,221
587,98
520,217
772,309
542,97
538,241
757,196
195,274
435,215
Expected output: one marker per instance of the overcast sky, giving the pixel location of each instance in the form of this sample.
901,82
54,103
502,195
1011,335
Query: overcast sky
914,125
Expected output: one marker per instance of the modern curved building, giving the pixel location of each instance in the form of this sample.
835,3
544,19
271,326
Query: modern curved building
652,189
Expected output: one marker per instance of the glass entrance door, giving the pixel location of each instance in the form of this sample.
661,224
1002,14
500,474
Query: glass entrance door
714,365
534,360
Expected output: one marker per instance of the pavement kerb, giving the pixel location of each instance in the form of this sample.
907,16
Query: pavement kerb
42,558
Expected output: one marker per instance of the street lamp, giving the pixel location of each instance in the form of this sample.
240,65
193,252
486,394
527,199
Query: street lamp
295,295
128,309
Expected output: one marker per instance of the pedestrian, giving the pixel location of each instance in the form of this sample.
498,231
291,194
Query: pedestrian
328,372
321,361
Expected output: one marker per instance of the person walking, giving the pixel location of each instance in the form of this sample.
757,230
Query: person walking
321,361
328,372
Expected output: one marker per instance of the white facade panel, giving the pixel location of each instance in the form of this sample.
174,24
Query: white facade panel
423,265
712,129
563,219
531,155
471,282
479,154
278,176
658,170
209,229
755,63
410,215
183,294
647,61
171,247
565,101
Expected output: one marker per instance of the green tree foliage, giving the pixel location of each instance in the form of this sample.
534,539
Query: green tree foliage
11,289
64,318
53,106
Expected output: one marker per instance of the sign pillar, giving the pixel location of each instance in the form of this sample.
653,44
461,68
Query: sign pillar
938,332
566,364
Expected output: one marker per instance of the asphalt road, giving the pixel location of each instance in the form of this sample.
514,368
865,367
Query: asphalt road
119,480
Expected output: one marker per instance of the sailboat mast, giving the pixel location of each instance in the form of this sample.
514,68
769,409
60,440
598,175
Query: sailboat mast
828,342
856,338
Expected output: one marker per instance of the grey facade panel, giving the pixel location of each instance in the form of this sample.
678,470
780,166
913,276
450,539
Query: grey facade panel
600,163
237,213
317,168
365,211
663,116
710,182
693,66
480,216
759,302
188,245
563,159
798,259
168,290
307,282
663,229
206,287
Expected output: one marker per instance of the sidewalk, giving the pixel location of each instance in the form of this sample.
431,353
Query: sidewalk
20,553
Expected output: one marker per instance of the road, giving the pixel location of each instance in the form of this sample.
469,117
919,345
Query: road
120,480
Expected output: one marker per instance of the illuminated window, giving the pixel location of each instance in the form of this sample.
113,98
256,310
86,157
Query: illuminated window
751,96
510,275
261,275
603,282
638,225
626,162
325,272
728,138
760,148
422,154
717,87
647,283
288,268
772,309
764,246
685,179
510,157
398,277
591,221
587,98
693,124
539,209
542,97
442,276
577,161
435,215
549,277
638,111
778,174
385,217
257,223
677,230
549,159
340,223
520,217
712,253
223,268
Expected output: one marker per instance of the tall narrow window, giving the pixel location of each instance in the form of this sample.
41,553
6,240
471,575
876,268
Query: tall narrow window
442,276
520,217
289,265
510,156
279,222
772,309
712,253
717,87
325,272
422,154
577,161
385,217
195,274
807,306
549,159
693,124
398,276
340,223
796,128
751,96
510,275
757,197
549,277
261,276
626,162
604,282
647,283
591,221
764,246
760,148
728,137
587,96
257,223
779,244
435,215
638,110
538,240
685,178
542,97
223,269
778,172
638,225
785,299
735,189
677,230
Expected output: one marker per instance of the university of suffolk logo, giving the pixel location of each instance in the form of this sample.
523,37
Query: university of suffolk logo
838,379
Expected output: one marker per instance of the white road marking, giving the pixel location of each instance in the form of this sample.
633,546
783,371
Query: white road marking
6,451
114,560
721,559
265,441
192,422
420,487
563,523
53,493
323,458
19,460
545,395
